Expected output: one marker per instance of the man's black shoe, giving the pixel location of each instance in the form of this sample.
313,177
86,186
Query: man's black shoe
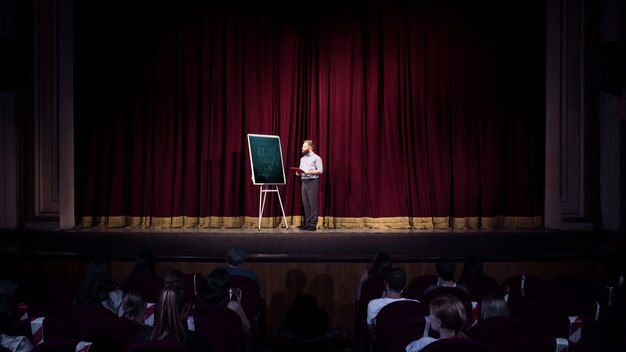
311,228
303,228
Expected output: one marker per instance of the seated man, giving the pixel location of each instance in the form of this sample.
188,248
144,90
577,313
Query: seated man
445,271
394,284
235,257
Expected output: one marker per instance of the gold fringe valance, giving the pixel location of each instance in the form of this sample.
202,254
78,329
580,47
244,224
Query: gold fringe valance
328,222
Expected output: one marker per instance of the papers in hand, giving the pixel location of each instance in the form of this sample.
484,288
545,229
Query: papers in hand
296,169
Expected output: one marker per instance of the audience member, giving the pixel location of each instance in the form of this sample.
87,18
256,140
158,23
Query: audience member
170,322
143,278
173,276
99,287
134,306
8,287
218,292
235,257
394,284
445,271
8,317
144,264
473,266
380,266
493,305
447,316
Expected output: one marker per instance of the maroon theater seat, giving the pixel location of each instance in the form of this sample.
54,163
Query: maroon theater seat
112,331
392,318
501,333
158,346
455,345
416,287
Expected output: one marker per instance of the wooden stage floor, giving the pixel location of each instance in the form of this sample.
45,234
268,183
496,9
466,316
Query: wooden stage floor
293,245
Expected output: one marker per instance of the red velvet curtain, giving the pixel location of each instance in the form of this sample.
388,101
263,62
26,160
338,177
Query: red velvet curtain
419,109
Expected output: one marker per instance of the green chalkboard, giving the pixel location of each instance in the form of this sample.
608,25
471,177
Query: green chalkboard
266,159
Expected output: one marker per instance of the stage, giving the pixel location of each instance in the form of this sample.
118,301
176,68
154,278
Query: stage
324,245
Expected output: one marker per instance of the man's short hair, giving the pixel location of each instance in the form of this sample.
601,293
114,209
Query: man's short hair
235,255
445,268
310,143
396,279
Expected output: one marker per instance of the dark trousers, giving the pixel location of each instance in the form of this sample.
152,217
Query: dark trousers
309,201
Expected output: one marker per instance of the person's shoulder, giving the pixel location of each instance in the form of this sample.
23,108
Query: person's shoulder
461,286
417,345
15,343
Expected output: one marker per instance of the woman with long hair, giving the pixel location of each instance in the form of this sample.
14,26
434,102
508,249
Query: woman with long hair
171,314
447,316
493,305
170,321
99,287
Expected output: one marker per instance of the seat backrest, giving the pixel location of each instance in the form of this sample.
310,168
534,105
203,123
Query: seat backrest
112,331
392,317
477,285
80,316
455,345
158,346
501,333
56,328
532,287
535,312
544,344
593,337
250,299
576,283
212,333
57,345
224,319
412,330
415,288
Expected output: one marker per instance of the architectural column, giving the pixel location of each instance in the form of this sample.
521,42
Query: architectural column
566,111
53,116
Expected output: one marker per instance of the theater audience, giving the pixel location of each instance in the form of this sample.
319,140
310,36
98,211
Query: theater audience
99,287
493,305
447,316
394,284
380,266
217,292
8,317
445,272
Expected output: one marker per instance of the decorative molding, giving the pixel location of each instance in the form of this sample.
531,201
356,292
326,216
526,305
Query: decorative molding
566,111
53,114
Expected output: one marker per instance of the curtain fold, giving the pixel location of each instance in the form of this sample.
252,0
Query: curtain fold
427,114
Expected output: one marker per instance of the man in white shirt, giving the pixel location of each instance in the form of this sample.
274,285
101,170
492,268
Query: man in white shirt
311,165
394,284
